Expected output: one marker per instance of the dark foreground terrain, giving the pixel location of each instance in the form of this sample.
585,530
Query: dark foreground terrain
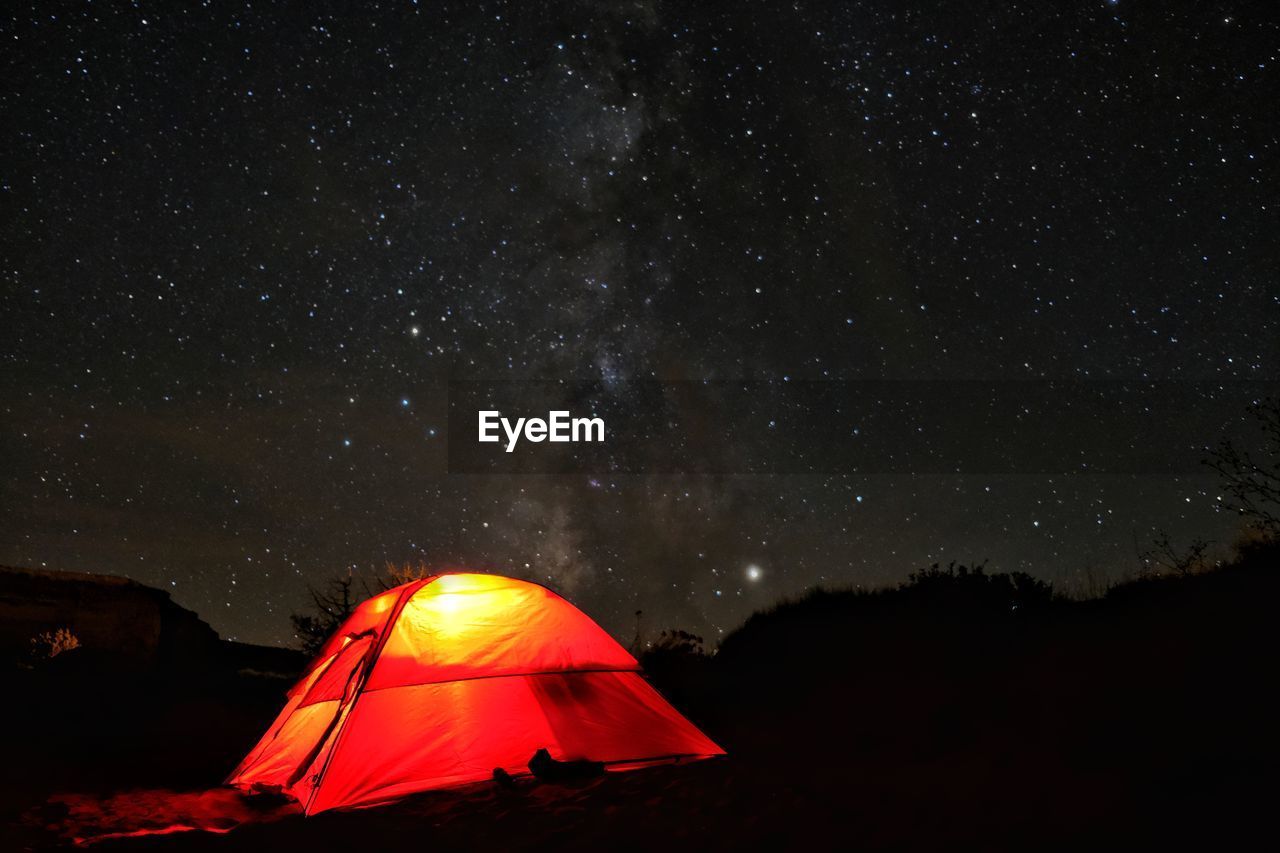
964,710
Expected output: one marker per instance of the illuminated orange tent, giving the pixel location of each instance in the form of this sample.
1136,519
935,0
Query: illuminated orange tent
437,682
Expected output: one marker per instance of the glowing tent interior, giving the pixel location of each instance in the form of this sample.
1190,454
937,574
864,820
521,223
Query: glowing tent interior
439,681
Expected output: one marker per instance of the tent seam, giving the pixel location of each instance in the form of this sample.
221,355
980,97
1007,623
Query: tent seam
540,672
388,626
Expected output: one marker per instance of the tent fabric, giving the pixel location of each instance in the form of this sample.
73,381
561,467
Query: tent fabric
437,682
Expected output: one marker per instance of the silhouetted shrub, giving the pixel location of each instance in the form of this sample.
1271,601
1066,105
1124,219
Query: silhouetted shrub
1163,558
676,662
963,587
673,645
47,645
332,605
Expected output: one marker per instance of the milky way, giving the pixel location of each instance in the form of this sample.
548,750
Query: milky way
245,248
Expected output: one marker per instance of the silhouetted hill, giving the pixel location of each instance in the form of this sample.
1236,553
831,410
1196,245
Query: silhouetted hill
977,708
950,612
117,620
963,709
117,624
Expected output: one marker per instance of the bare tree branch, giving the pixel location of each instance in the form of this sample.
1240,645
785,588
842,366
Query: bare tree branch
1165,559
1251,483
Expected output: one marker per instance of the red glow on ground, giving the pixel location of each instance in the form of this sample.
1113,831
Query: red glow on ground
87,819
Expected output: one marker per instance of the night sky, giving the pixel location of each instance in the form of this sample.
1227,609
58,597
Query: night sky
245,247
